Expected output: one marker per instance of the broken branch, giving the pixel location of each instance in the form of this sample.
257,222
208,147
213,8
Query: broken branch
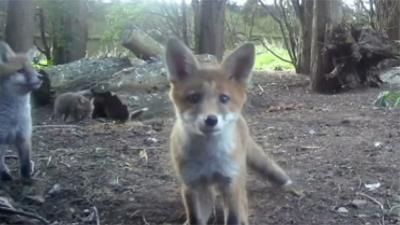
7,210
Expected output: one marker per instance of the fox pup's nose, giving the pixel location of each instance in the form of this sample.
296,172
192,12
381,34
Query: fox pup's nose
211,120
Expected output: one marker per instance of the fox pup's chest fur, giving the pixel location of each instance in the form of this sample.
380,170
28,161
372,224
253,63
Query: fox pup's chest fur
15,118
209,159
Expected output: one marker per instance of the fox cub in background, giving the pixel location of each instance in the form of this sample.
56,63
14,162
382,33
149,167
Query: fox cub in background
17,80
72,104
210,143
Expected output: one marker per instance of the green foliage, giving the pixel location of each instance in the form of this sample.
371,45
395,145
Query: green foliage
267,61
119,15
388,99
43,63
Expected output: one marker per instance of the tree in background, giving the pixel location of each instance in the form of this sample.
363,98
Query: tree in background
326,14
70,30
184,23
63,29
211,28
294,18
304,14
388,17
20,25
196,22
380,15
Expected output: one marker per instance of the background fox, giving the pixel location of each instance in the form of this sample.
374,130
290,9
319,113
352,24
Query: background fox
17,80
210,143
75,105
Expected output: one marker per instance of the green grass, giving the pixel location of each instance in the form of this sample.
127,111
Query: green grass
266,61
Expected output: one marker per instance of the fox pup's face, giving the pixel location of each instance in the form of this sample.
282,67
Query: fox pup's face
85,107
208,99
25,79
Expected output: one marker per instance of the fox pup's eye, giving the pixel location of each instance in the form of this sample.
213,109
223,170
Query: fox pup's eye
224,98
194,98
21,70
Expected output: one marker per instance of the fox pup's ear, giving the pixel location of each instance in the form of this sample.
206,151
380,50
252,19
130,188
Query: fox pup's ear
239,64
82,99
180,61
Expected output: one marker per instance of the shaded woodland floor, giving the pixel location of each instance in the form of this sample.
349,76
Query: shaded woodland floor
334,146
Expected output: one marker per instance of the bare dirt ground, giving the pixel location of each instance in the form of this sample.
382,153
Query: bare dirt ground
334,146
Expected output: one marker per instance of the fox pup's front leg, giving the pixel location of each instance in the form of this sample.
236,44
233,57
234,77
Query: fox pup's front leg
23,145
198,203
4,171
235,204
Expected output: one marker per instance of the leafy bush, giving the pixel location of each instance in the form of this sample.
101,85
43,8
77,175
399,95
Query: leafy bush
42,63
388,99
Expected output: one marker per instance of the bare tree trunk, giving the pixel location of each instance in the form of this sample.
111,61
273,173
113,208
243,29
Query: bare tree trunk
20,24
212,18
393,17
196,18
304,59
42,27
184,23
326,15
79,29
71,44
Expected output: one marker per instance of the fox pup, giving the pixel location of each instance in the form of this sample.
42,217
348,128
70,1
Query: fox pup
17,80
73,105
210,143
14,63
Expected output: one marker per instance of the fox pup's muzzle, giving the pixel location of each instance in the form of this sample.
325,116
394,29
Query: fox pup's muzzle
211,120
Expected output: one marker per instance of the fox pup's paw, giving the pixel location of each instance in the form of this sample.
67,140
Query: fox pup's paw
27,171
5,176
18,61
186,223
293,189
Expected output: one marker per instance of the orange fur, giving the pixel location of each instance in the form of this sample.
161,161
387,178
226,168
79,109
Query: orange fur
210,142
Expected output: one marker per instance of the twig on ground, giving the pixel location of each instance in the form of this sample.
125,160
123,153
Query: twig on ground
57,126
49,160
144,147
96,214
7,210
261,89
374,200
65,164
145,221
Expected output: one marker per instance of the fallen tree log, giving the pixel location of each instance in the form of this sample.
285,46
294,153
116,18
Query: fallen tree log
142,45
